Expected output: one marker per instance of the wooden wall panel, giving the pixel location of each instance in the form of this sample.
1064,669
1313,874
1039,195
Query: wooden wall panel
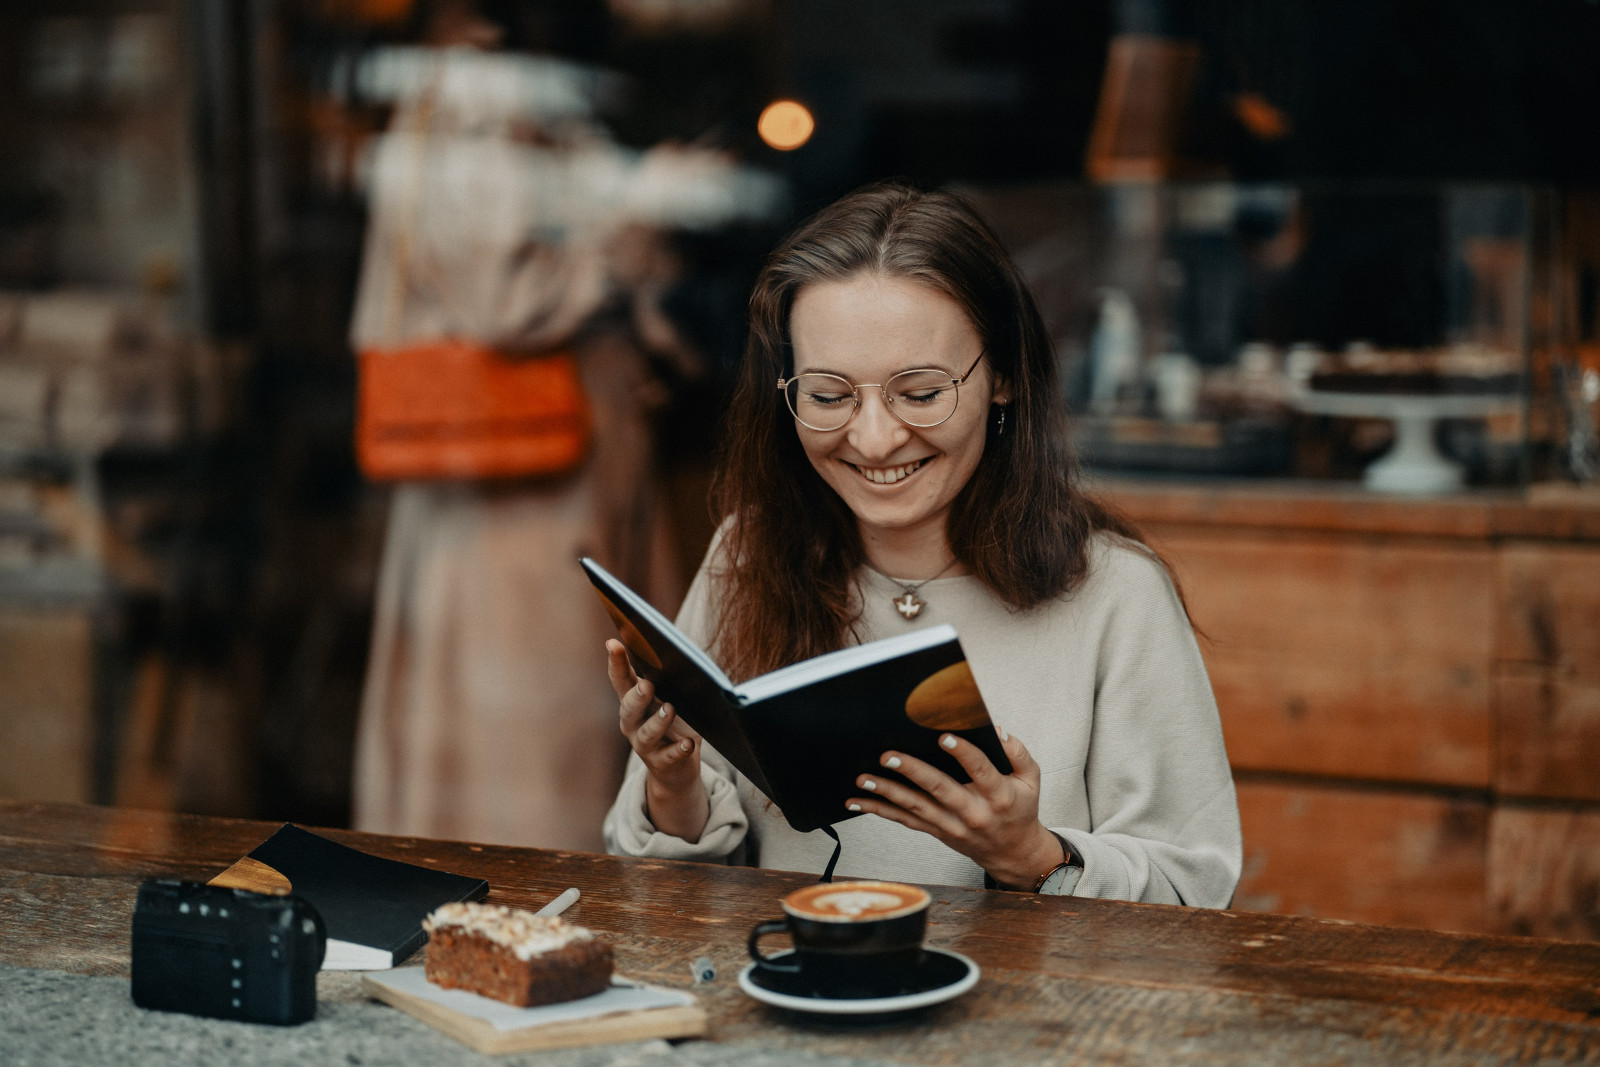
1544,872
1360,641
1547,686
1371,856
1550,613
1547,734
1339,655
46,705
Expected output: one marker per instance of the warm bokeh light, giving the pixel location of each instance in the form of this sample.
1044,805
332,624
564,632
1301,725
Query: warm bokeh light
785,125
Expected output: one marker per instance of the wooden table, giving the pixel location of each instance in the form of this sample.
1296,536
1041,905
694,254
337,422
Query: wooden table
1064,980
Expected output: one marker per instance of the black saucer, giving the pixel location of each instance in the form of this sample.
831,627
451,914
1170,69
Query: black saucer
939,976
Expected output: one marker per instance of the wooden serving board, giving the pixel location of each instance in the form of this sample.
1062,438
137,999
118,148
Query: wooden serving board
670,1022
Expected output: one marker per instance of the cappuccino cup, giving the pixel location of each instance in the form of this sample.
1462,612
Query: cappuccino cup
852,938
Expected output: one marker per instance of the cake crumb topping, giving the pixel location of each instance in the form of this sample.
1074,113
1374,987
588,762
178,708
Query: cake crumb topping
524,933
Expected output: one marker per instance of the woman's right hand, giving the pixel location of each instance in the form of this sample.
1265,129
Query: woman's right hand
675,797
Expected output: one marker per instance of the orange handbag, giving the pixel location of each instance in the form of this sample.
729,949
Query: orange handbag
457,409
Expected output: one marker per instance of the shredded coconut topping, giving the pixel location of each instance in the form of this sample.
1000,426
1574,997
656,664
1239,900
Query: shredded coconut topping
524,933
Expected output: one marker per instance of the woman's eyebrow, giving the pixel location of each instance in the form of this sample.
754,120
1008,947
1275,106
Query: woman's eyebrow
799,370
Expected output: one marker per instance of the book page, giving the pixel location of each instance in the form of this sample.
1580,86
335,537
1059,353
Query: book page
843,661
354,956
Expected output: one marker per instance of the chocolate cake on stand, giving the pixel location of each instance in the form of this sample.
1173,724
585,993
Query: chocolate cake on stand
1414,390
1414,466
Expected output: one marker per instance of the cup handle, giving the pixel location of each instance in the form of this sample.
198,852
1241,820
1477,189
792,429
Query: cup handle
772,926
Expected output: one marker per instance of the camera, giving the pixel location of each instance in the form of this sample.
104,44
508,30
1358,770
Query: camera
226,953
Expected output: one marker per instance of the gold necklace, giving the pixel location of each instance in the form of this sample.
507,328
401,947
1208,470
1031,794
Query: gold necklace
908,604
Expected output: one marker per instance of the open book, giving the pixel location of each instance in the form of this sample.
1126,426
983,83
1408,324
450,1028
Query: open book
372,907
803,733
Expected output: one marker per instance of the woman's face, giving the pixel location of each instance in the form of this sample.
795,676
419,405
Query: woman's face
898,480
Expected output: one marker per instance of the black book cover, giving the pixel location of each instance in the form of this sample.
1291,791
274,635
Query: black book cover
802,734
364,900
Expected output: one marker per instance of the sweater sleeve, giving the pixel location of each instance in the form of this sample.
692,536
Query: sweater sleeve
627,829
1163,815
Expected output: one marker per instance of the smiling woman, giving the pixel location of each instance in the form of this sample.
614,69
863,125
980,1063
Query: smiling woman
912,467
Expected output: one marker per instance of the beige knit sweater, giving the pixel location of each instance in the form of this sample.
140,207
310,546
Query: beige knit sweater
1105,687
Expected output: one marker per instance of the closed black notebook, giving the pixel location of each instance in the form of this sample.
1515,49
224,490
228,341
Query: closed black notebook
803,734
373,907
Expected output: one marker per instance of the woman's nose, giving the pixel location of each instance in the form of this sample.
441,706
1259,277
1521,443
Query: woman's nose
876,431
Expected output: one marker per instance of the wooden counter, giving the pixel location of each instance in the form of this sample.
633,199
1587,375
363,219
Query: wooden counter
1552,512
1063,979
1410,691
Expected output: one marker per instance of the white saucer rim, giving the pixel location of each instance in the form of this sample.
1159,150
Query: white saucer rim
868,1006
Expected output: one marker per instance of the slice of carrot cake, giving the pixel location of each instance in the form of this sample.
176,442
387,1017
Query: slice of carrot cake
514,956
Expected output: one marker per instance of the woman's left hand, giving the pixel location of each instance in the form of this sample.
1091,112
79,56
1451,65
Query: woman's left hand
994,820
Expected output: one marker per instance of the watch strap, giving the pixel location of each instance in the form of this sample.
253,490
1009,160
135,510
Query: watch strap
1070,860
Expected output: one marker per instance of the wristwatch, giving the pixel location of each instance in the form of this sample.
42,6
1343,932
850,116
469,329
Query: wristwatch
1062,879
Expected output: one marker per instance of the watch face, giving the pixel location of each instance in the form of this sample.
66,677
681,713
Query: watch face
1062,881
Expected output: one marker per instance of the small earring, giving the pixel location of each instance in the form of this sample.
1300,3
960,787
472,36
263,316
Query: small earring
1000,430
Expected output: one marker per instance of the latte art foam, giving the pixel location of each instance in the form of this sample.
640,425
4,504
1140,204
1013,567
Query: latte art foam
855,901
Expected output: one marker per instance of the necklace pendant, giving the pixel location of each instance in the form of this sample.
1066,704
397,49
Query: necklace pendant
908,606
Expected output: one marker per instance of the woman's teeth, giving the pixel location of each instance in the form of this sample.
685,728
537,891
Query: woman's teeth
890,475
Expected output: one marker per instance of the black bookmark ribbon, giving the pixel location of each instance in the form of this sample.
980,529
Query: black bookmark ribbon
838,847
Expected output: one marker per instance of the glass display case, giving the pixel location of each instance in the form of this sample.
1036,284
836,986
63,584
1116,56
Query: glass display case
1394,333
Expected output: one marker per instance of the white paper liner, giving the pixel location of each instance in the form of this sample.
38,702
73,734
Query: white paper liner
624,995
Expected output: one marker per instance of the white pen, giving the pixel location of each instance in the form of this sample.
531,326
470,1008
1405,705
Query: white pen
561,903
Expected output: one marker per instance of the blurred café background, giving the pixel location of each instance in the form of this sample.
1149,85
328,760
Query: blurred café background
1324,282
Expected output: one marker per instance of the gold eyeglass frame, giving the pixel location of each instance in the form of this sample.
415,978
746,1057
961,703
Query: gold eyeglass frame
883,390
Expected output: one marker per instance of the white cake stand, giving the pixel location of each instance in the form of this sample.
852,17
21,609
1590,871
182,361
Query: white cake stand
1414,466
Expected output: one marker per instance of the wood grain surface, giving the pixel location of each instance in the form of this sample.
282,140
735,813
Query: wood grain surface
1331,850
1396,674
1547,679
1067,980
1547,734
1550,597
1342,656
1544,871
1333,507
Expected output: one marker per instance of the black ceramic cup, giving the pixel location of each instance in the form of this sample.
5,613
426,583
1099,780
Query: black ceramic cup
850,938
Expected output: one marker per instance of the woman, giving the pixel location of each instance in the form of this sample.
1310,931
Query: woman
957,481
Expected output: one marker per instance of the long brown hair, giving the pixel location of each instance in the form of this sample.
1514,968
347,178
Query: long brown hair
792,546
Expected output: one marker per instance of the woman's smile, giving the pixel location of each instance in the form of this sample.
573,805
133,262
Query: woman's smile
889,475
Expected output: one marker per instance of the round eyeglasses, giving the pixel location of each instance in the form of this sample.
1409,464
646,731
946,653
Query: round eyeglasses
922,397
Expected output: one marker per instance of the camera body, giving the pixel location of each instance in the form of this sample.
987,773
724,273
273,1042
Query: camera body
226,953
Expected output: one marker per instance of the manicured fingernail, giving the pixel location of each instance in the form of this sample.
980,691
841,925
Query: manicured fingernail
1003,735
892,762
853,807
639,689
663,711
687,746
948,740
869,785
